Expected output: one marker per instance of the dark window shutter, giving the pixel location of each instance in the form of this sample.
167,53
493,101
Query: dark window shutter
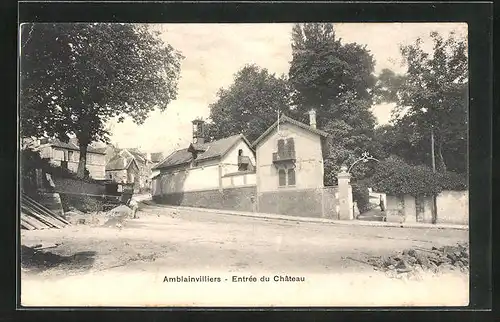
281,146
291,177
282,177
290,146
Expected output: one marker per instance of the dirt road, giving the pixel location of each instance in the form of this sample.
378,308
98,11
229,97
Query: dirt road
128,265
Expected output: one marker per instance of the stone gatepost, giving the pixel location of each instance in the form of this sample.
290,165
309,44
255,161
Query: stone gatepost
345,195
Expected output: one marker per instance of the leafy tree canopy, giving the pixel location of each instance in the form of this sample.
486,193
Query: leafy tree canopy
337,80
431,96
250,105
77,77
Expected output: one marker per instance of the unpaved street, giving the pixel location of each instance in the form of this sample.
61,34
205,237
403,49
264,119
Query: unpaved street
135,258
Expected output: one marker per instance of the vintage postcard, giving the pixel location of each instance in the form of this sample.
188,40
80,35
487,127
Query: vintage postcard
223,165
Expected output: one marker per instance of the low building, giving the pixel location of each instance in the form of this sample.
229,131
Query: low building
208,173
121,169
67,155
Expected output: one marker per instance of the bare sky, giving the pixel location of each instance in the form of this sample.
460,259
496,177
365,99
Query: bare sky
215,52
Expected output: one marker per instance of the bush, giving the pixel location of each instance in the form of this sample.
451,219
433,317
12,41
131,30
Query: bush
395,177
361,196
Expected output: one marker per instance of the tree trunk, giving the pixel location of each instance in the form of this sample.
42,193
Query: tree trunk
82,162
441,165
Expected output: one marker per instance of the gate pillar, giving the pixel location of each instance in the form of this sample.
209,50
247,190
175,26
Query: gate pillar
345,195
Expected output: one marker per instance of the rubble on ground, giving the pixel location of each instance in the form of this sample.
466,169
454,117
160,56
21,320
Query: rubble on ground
112,218
120,211
117,216
414,260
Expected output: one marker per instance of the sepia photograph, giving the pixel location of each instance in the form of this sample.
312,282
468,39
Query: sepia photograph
243,164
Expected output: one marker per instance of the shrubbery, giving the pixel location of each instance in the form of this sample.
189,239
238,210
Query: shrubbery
361,196
395,177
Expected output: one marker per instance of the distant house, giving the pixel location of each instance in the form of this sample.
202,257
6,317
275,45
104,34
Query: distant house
201,170
143,162
122,169
290,167
67,155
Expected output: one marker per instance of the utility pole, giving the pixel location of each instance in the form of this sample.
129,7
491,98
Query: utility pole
432,150
434,202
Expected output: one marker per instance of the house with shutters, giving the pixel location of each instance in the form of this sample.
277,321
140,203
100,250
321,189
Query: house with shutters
289,167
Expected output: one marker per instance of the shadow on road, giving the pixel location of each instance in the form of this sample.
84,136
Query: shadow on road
37,261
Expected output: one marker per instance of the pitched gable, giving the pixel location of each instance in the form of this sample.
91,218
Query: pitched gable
286,119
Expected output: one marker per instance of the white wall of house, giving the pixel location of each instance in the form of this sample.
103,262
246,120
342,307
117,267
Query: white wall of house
205,176
96,163
230,160
309,159
241,180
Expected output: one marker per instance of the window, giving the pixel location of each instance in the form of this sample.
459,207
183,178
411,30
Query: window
282,177
286,177
243,167
70,156
291,177
240,152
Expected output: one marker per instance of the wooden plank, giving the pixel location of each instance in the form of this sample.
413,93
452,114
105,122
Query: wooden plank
26,225
33,213
35,223
48,214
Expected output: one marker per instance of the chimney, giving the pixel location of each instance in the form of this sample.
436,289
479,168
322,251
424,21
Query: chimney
312,118
198,131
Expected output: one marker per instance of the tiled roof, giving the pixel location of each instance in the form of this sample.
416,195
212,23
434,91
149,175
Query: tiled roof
118,162
100,150
213,149
139,156
156,157
72,146
286,119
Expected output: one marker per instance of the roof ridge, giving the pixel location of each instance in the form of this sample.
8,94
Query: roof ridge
286,118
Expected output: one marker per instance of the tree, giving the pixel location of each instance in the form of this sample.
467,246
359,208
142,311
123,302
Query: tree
432,98
250,105
77,77
337,80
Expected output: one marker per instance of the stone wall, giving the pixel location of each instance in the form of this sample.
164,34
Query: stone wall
452,208
331,203
240,199
297,202
72,186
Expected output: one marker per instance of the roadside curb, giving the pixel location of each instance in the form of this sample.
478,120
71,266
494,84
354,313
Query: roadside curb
312,220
